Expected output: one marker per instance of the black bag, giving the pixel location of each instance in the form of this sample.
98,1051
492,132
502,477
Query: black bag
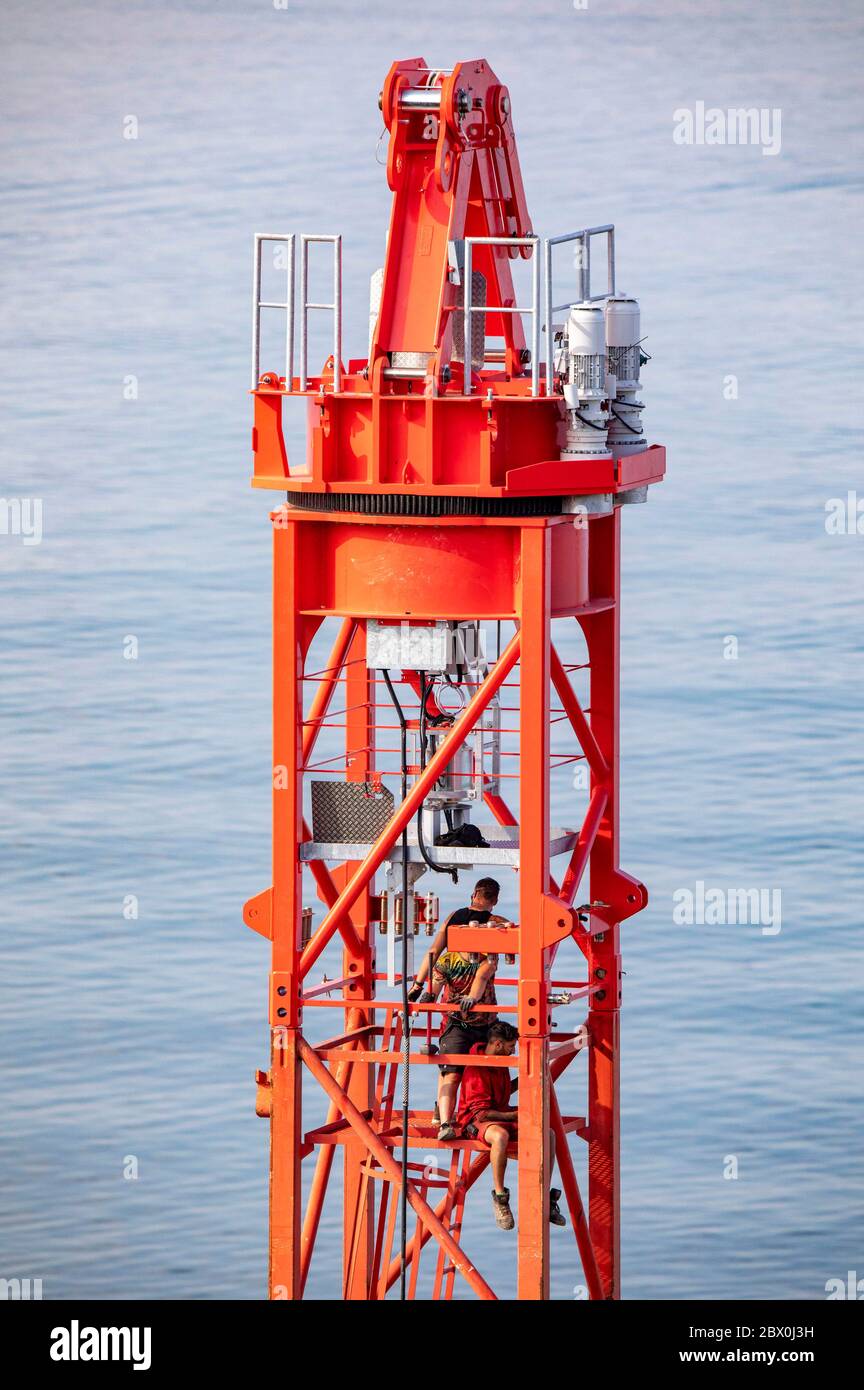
464,836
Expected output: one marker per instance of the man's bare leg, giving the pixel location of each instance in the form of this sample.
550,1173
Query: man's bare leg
497,1137
448,1085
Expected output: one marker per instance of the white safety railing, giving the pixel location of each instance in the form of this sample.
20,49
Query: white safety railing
335,307
585,295
534,311
469,308
289,239
258,304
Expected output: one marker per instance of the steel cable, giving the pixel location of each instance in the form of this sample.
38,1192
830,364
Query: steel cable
406,1027
451,869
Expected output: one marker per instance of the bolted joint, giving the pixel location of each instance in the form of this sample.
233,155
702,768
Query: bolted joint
533,1009
285,1008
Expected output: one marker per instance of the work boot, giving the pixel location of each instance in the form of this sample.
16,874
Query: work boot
501,1207
447,1131
556,1215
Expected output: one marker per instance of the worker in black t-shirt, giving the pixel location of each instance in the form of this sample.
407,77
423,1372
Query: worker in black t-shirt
467,979
483,900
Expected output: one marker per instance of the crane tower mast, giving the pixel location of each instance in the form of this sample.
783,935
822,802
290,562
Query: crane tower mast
461,493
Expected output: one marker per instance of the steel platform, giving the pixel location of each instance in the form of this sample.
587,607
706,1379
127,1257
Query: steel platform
503,848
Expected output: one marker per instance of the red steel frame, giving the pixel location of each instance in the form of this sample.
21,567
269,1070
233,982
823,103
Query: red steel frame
360,1081
525,570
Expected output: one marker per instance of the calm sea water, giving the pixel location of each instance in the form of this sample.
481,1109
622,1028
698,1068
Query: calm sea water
137,1039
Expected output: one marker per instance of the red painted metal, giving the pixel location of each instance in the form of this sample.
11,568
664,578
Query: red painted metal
455,431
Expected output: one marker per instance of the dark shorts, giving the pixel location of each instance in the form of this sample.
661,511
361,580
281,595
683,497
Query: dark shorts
459,1038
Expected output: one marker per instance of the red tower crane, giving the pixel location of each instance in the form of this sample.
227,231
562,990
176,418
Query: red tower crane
462,480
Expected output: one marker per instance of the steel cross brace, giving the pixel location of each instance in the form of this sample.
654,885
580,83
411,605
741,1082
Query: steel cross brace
389,1165
404,813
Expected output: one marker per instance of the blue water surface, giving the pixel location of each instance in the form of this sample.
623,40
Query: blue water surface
129,1044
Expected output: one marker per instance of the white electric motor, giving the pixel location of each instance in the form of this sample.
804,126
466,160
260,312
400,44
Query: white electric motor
624,356
585,382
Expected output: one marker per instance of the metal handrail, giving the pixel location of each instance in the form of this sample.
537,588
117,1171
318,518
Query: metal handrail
584,236
258,304
534,311
335,307
585,296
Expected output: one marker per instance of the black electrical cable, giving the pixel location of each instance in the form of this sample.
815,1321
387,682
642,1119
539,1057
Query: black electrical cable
451,869
622,421
585,421
406,1029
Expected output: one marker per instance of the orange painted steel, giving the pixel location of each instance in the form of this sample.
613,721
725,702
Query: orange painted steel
366,535
391,1169
409,807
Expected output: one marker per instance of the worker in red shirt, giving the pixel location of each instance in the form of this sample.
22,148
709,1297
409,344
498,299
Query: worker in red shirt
486,1113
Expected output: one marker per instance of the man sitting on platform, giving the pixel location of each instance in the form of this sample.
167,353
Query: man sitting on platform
486,1113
